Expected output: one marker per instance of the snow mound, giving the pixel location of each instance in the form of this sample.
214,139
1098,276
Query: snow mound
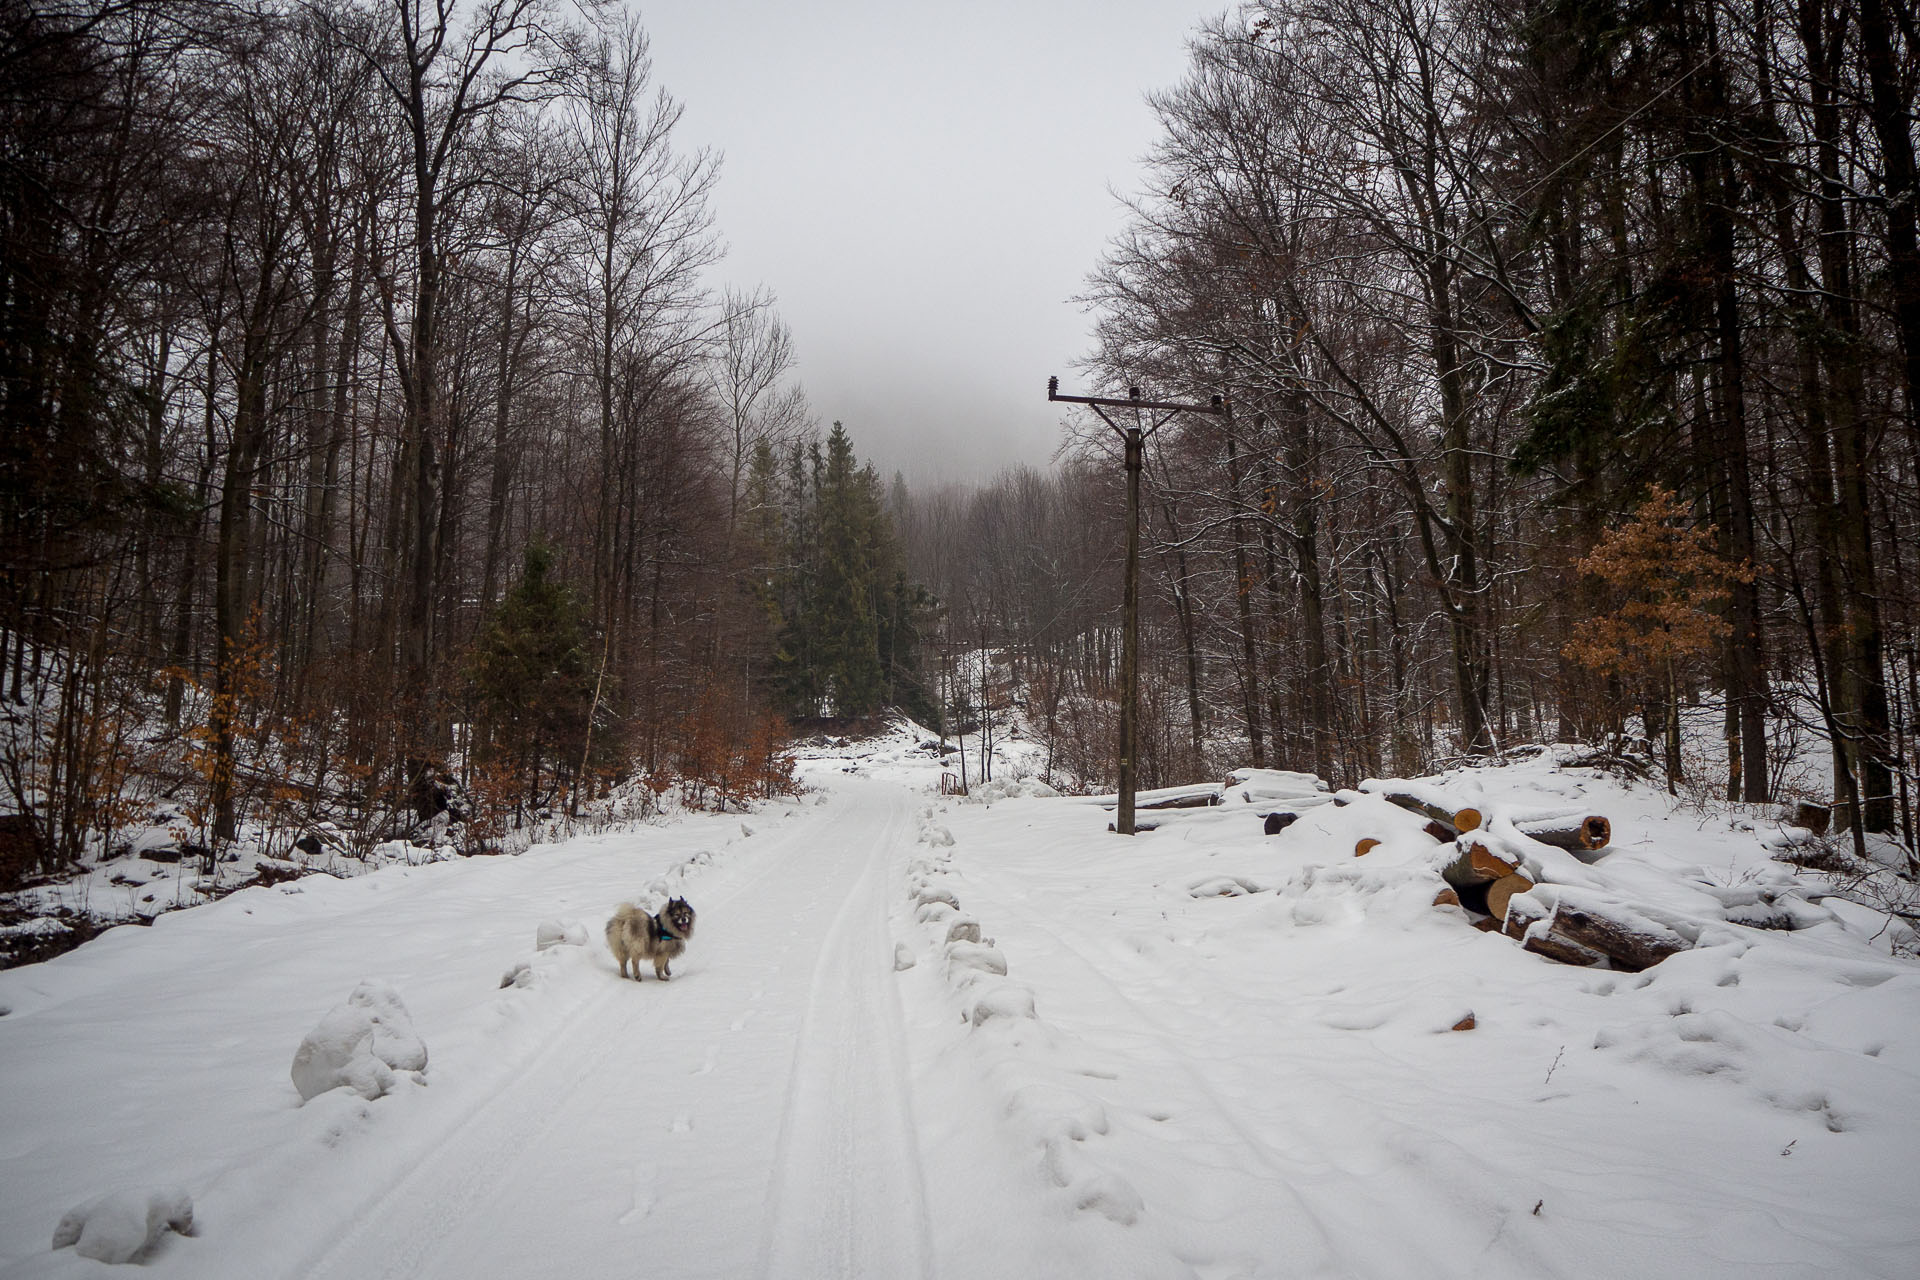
559,933
359,1045
122,1226
1059,1108
975,957
996,789
927,895
1001,1003
409,853
394,1039
902,957
1222,887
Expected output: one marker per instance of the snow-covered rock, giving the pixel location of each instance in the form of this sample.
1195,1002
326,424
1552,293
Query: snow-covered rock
1001,1002
976,956
359,1045
394,1040
926,895
559,933
123,1225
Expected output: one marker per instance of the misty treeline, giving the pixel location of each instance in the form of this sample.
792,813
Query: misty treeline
1478,278
368,414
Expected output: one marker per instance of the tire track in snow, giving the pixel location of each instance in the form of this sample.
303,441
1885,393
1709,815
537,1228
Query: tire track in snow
848,1196
466,1166
638,1134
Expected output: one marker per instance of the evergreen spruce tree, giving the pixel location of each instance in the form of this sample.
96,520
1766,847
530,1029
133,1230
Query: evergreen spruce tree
763,537
907,609
795,661
851,622
532,680
844,615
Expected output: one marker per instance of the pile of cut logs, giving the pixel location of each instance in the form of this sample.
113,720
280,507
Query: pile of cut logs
1500,882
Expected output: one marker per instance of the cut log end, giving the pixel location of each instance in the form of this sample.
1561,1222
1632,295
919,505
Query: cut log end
1364,847
1502,891
1278,822
1446,898
1468,819
1577,832
1465,1024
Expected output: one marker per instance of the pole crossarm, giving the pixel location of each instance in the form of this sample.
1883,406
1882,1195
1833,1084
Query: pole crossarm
1218,406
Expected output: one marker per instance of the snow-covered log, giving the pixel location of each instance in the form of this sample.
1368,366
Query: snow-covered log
1572,829
1203,800
1531,921
1427,801
1632,939
1476,863
1196,796
1256,785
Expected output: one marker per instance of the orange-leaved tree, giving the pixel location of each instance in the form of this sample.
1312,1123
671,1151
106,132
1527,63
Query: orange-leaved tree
1669,588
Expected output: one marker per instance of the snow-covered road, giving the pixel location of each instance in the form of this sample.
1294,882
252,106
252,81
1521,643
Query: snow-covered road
915,1037
750,1117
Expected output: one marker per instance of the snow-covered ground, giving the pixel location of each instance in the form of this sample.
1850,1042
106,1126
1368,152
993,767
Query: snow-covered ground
917,1036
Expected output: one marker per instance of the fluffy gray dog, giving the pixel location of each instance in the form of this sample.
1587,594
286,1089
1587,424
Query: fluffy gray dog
634,934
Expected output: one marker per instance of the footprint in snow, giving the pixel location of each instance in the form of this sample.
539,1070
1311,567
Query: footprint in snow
643,1195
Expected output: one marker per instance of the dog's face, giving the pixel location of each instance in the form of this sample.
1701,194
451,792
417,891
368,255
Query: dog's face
679,917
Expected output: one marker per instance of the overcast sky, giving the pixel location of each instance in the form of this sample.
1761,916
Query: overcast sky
925,187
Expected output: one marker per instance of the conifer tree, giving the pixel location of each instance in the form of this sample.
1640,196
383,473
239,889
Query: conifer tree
849,621
532,679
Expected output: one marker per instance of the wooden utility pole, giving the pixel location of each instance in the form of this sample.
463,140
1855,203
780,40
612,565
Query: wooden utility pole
1135,440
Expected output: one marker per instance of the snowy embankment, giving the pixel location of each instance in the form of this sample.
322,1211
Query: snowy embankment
1244,1062
920,1036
